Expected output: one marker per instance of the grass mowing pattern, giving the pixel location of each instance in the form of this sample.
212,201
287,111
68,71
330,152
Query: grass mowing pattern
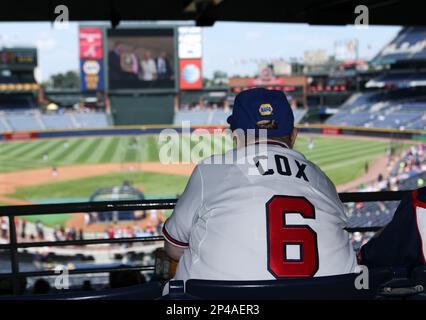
342,159
155,184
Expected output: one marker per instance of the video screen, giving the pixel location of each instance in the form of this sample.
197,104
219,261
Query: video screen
141,58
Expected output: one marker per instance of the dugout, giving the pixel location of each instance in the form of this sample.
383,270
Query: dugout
124,192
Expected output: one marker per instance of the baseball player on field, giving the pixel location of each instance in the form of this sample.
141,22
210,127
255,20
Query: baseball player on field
258,216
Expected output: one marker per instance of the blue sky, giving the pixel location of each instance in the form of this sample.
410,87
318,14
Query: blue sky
225,45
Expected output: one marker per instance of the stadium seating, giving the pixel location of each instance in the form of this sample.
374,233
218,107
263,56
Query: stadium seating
201,117
34,120
91,120
3,127
24,122
57,121
382,110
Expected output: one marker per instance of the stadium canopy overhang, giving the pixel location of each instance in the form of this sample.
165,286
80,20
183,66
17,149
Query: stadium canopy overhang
206,12
408,47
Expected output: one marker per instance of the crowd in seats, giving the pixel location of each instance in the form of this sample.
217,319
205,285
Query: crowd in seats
383,110
406,172
116,232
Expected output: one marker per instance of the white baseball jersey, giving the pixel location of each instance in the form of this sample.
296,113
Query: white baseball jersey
267,218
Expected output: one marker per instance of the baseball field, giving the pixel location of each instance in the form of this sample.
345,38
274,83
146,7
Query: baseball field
84,165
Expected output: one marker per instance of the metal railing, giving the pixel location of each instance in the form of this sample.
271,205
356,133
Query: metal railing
134,205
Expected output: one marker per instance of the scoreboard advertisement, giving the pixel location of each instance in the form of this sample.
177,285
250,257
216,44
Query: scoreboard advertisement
17,67
147,58
91,59
190,58
18,58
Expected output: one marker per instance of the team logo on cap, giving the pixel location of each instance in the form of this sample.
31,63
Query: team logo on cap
265,109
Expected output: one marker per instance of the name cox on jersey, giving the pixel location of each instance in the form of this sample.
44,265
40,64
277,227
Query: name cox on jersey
282,167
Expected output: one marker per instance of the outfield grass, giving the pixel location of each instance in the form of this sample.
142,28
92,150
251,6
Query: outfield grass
341,158
21,155
155,184
50,220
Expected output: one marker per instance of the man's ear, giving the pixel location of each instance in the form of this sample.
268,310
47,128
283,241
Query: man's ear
293,137
236,139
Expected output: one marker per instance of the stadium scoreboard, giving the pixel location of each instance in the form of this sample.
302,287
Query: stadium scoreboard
18,58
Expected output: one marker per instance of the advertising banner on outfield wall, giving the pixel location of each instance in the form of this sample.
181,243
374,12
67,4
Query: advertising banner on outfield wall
331,131
91,59
190,74
20,136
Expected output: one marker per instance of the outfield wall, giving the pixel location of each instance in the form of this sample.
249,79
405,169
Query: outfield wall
419,135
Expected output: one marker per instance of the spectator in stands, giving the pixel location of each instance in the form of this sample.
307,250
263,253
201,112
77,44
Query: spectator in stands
4,228
87,285
23,228
41,286
56,233
87,219
72,234
110,232
40,230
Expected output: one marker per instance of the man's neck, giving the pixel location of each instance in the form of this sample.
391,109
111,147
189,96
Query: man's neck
269,141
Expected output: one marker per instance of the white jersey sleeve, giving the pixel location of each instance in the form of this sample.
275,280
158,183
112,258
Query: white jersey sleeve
177,228
326,191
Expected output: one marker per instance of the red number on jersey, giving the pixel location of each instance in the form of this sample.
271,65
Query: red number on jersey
282,236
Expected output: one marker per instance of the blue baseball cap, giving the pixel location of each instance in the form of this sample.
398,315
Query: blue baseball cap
260,108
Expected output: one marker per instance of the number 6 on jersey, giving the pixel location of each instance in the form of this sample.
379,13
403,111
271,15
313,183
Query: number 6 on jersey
284,240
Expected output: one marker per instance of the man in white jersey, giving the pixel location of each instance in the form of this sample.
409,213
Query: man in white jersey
260,215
